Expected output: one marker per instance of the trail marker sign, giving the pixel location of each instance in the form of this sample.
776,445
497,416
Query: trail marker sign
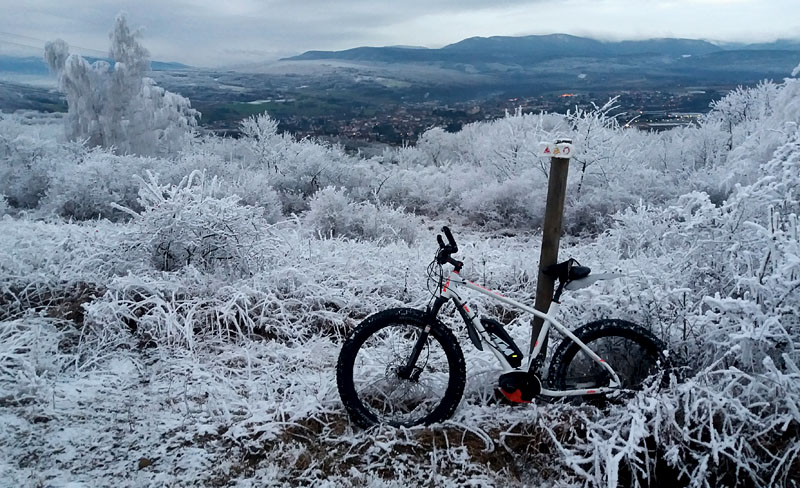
562,150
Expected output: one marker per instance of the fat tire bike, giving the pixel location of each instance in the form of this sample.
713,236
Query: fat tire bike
404,367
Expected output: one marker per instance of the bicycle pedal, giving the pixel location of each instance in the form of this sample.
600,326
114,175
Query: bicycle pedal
520,386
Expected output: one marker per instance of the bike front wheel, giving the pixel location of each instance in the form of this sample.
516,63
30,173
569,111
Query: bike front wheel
634,353
369,371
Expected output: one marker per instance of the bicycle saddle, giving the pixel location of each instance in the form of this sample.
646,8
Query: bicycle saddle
566,271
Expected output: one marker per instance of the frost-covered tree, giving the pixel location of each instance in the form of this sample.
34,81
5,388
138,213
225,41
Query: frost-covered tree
117,105
433,144
742,110
261,135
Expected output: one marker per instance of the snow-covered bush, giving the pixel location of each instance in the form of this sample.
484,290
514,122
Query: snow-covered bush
734,269
25,161
189,225
597,133
745,123
506,146
29,356
422,189
308,167
117,106
724,427
86,187
332,214
433,147
514,202
253,189
296,170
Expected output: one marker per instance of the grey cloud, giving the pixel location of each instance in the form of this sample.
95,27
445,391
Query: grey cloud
209,32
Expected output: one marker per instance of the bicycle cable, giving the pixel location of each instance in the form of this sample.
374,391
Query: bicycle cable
434,278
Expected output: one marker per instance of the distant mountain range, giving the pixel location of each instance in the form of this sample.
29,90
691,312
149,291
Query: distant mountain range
538,64
533,49
36,66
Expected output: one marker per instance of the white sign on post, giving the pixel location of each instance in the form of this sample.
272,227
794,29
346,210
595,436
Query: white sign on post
551,150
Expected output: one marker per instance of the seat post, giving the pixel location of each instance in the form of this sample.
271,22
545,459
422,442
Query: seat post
559,290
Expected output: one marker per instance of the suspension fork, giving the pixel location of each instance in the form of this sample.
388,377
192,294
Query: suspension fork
407,372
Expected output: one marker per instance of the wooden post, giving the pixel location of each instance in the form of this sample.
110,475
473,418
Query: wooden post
551,230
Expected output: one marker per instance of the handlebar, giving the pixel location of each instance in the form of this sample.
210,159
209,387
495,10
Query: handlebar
444,255
450,239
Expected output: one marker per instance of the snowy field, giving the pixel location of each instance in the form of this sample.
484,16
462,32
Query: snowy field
173,305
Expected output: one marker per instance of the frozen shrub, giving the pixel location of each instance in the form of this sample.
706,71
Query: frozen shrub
29,355
384,224
505,146
409,188
252,183
307,167
253,188
86,188
433,146
184,225
3,205
296,170
516,202
25,161
332,214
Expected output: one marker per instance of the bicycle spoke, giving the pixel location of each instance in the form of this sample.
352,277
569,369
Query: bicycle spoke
632,364
383,391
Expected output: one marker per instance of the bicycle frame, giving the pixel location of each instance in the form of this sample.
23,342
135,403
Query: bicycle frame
449,291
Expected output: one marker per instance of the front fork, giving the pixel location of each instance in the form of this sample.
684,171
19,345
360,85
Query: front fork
409,371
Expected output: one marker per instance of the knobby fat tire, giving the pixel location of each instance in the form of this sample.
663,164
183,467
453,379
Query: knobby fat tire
567,350
358,412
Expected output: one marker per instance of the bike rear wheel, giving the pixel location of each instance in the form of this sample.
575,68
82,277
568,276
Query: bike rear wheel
634,353
368,371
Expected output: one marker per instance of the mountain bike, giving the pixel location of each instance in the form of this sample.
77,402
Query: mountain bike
404,367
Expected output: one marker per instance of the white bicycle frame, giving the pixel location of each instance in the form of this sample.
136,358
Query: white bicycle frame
449,291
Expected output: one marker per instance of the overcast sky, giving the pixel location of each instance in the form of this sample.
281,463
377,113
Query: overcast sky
220,32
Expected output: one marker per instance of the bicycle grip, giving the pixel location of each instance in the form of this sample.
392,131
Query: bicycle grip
450,239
